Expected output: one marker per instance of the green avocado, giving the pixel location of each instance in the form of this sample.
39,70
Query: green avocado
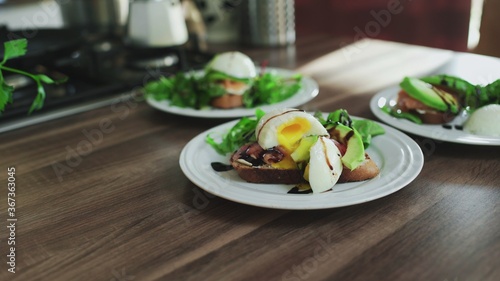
355,153
430,95
301,153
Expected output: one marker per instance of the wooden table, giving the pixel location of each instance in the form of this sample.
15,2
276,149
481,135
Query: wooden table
100,196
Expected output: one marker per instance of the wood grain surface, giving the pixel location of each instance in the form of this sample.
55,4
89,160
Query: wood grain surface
100,196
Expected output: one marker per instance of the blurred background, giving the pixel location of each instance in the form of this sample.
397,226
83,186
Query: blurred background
461,25
107,47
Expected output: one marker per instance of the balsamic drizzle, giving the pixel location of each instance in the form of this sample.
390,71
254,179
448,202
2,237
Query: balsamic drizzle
449,127
221,167
297,190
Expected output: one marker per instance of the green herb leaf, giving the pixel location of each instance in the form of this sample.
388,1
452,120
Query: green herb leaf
39,99
402,115
241,133
45,79
197,91
367,129
5,94
14,48
270,88
184,90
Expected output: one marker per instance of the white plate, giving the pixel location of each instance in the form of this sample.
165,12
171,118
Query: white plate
399,158
436,132
307,92
477,69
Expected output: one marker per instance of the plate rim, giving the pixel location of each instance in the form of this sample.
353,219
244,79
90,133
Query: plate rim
303,96
435,132
414,167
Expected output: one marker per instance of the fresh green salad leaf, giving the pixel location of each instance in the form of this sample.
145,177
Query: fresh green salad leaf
13,49
196,91
366,128
270,88
242,132
184,90
400,114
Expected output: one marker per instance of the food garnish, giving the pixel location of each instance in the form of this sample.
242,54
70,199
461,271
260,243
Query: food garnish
242,132
229,80
14,49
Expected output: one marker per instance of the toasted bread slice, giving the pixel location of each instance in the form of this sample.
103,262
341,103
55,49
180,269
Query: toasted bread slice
367,170
268,174
227,101
263,173
428,115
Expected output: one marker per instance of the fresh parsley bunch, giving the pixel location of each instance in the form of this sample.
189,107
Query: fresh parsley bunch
14,49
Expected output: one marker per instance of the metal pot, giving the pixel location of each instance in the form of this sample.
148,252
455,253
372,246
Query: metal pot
96,16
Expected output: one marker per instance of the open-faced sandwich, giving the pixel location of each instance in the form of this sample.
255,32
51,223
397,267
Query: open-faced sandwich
290,146
432,104
233,71
229,80
438,99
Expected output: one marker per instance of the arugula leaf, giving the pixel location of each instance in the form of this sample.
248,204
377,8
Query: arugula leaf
270,88
366,128
197,91
400,114
184,90
241,133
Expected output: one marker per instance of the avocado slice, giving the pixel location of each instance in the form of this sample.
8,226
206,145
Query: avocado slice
355,153
213,75
301,153
430,95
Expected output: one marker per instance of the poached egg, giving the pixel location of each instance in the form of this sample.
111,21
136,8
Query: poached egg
325,165
237,71
484,121
285,128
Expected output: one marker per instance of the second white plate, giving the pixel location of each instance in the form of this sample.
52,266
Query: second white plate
447,133
307,92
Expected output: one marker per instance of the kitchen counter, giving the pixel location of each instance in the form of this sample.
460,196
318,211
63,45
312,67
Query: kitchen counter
100,195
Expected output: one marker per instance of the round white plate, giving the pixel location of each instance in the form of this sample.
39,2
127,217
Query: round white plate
435,132
399,158
307,92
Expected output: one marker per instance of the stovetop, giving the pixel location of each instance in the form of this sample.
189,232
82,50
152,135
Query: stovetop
96,72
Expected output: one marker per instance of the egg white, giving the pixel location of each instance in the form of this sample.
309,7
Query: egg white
286,127
325,165
234,64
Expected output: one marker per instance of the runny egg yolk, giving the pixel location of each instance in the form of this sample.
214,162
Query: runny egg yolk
290,132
